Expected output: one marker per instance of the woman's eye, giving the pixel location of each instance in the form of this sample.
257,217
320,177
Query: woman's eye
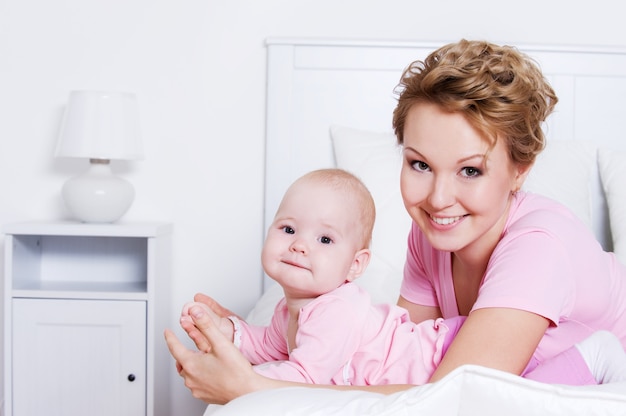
326,240
470,172
289,230
420,166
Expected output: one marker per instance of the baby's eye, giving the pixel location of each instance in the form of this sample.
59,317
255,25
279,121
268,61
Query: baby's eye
420,166
326,240
289,230
470,172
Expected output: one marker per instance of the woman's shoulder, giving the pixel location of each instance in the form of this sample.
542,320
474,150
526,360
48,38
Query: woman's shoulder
540,212
529,201
534,218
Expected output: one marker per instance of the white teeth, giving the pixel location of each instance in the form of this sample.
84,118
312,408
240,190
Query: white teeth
445,221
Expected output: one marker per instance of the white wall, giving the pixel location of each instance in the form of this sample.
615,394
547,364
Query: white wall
198,68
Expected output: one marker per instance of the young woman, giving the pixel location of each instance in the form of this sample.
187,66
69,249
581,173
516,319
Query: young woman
529,276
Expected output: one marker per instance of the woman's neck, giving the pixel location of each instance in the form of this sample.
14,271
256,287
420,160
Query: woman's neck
476,256
470,264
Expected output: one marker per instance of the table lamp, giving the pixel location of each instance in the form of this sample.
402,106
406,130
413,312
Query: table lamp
99,126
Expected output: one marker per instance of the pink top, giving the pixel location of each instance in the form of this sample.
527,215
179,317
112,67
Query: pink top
343,339
547,262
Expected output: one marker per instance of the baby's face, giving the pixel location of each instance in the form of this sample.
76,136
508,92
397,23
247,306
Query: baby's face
311,245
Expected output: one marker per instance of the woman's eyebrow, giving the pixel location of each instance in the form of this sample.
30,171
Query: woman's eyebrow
475,156
481,156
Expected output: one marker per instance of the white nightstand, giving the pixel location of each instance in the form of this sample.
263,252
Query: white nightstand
85,306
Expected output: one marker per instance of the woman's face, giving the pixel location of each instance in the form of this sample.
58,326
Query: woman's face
455,188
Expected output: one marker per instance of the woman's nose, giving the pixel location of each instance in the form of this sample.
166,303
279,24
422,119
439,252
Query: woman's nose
442,193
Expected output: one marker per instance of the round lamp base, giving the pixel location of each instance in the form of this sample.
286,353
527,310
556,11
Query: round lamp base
98,196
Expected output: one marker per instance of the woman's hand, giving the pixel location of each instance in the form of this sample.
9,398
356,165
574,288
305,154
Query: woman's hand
218,373
214,305
187,324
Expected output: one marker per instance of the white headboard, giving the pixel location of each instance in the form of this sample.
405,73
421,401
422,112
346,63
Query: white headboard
315,83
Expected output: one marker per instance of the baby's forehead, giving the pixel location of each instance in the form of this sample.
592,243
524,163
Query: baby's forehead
321,197
322,192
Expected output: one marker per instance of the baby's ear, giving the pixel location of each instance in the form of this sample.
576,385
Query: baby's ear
359,264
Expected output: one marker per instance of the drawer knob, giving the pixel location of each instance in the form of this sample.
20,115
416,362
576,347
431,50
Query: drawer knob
131,377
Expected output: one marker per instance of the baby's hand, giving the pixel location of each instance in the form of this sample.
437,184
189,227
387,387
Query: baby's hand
214,305
197,310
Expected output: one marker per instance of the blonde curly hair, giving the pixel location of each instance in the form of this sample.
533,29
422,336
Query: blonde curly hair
501,91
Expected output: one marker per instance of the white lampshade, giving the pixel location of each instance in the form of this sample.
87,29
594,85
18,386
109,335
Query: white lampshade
99,126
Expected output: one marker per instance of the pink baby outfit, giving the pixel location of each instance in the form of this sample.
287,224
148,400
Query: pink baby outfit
547,262
343,339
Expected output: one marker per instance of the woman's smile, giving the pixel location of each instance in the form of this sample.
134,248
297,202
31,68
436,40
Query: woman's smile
446,220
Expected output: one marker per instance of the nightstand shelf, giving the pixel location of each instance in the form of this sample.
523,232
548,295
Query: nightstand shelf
84,290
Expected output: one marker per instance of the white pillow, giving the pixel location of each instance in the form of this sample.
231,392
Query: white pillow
376,159
565,172
612,166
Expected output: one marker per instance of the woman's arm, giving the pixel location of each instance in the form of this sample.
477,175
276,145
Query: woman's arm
222,373
419,313
500,338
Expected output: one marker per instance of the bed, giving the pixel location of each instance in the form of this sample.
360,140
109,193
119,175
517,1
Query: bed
329,103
